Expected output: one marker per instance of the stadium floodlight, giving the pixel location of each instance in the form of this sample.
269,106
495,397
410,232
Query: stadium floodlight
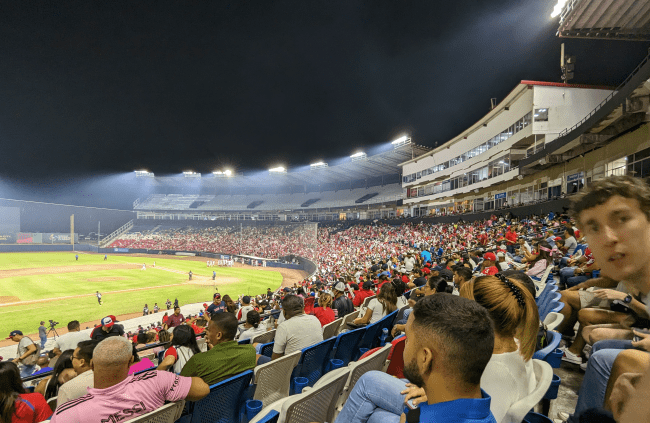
143,174
558,8
403,140
278,169
222,174
319,165
359,156
191,174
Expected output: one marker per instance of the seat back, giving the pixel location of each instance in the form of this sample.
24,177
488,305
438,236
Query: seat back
374,361
519,409
349,318
267,349
366,301
264,338
553,343
168,413
369,337
396,365
225,401
52,403
347,345
314,361
271,417
244,341
553,319
331,329
400,314
386,322
273,379
314,405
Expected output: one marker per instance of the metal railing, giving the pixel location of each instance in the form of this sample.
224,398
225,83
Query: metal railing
124,228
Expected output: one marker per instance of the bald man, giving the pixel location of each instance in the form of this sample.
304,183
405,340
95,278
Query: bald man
116,396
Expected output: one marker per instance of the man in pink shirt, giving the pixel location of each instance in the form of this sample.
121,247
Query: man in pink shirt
120,397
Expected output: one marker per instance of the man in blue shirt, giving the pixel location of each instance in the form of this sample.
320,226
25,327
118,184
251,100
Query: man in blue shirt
449,343
426,256
217,305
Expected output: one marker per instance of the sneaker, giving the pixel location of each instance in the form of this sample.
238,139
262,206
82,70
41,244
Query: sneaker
571,357
587,351
583,366
562,417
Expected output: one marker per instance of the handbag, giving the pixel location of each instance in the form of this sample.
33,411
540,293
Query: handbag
32,358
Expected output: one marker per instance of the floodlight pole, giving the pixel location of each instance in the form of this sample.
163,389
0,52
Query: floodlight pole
99,225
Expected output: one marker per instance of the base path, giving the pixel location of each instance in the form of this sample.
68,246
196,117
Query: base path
65,269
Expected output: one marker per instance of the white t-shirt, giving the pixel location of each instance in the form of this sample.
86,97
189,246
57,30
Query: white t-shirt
75,388
23,345
377,310
251,333
297,333
244,312
69,341
409,262
507,379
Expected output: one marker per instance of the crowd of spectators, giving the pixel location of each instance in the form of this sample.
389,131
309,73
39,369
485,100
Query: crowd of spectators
471,320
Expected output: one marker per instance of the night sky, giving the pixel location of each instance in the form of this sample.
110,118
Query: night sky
93,88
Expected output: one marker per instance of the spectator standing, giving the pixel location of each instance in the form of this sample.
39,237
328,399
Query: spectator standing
488,267
190,275
145,310
226,358
176,318
511,239
115,391
42,333
298,330
342,304
76,387
156,309
16,405
107,328
168,304
26,354
69,341
217,306
99,297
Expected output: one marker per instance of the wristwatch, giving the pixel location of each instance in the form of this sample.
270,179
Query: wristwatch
628,299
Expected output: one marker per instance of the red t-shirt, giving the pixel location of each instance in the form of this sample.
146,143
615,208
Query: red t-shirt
324,315
492,270
38,411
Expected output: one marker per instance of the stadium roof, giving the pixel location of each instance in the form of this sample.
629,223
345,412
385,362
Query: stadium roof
612,19
377,165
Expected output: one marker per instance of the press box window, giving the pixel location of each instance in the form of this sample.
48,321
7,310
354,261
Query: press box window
541,115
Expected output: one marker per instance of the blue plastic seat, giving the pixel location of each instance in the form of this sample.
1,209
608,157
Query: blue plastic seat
347,345
225,402
314,361
245,341
386,322
267,349
548,353
271,417
536,418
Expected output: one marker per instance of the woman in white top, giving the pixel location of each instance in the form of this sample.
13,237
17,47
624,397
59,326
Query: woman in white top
252,327
509,374
183,347
384,303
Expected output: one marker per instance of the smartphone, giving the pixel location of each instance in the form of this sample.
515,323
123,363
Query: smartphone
410,405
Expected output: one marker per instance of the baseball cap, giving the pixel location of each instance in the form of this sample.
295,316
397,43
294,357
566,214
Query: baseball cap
107,321
367,285
500,254
557,238
14,333
489,256
216,296
340,287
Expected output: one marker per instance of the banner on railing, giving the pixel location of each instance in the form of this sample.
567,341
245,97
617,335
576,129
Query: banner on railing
575,177
500,195
121,250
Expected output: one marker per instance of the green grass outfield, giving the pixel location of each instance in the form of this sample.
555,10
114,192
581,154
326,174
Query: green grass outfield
53,287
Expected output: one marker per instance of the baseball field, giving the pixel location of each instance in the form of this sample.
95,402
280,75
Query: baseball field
56,286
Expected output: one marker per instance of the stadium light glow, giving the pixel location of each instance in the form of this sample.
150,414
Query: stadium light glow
278,169
358,156
191,174
319,165
143,174
558,8
222,174
403,140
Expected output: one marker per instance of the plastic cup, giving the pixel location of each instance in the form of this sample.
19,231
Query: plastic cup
299,383
252,408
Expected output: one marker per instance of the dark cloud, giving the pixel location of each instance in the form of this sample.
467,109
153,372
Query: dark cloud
96,87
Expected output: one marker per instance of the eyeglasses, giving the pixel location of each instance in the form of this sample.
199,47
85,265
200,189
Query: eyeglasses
78,358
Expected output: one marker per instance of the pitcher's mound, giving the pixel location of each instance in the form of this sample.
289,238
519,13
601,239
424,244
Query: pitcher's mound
106,279
7,300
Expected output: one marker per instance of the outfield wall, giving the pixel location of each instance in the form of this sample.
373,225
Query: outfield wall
55,218
44,248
